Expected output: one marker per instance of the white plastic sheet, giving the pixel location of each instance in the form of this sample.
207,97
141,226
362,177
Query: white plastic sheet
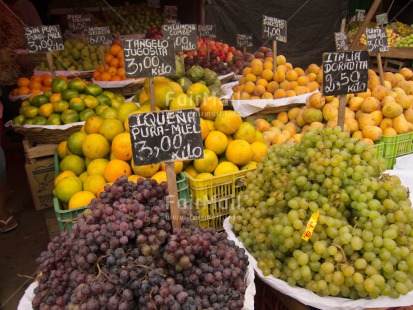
52,127
36,71
117,84
404,163
311,299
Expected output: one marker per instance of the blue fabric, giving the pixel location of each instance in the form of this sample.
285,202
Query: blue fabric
2,165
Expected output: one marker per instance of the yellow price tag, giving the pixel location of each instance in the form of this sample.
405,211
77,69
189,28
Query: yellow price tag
312,222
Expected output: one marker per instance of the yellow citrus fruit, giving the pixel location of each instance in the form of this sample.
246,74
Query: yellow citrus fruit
164,94
46,109
80,199
182,101
97,166
210,124
102,189
239,152
62,149
204,129
115,169
67,187
191,171
251,165
110,128
259,149
210,107
224,168
93,183
62,175
176,87
228,122
134,178
145,170
259,136
95,146
74,142
122,146
208,163
143,97
74,163
217,142
178,166
198,92
159,176
93,124
125,109
83,176
246,132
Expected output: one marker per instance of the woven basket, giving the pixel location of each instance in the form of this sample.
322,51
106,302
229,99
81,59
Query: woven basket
127,91
45,135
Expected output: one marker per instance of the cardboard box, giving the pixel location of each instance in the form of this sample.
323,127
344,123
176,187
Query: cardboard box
41,177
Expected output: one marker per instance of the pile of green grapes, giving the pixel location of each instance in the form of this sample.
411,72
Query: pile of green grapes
362,245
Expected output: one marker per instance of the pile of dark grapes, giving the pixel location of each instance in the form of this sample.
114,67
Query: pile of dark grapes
362,244
123,254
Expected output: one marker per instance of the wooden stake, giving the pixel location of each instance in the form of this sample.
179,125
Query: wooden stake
380,66
274,55
208,53
49,56
152,94
341,110
102,57
173,195
245,49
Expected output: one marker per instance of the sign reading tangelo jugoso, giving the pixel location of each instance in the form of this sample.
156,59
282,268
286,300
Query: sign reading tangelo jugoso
345,73
148,57
166,136
183,36
79,22
44,39
99,35
274,28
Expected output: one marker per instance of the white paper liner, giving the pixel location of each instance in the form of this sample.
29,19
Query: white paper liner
247,107
117,84
36,71
231,74
404,163
52,127
227,90
20,97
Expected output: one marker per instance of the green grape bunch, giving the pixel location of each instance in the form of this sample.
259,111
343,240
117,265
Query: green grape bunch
362,244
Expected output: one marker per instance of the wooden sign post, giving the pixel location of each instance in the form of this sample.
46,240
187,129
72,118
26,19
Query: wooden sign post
165,136
275,29
207,32
341,41
244,41
377,43
344,73
45,39
100,36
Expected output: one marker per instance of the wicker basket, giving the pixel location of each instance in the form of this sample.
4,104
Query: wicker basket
127,91
43,135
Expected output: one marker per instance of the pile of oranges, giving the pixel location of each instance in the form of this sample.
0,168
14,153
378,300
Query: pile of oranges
32,85
115,65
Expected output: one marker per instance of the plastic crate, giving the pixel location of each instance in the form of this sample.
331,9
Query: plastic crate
396,146
66,218
380,149
213,198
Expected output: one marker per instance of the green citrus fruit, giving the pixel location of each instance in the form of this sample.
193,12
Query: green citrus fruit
85,114
70,116
58,85
93,89
74,142
74,163
77,104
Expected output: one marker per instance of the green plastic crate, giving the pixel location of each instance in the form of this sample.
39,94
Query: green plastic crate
396,146
380,149
65,218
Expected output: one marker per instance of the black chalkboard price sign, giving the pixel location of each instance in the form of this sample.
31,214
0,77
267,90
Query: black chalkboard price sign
99,35
154,4
274,28
382,19
183,36
345,73
79,22
148,57
360,15
341,41
377,40
244,40
207,31
44,39
170,12
166,136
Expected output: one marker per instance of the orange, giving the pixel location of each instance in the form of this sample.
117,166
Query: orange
23,82
115,49
110,128
56,97
178,166
108,58
120,56
62,151
112,70
67,187
198,92
80,199
93,124
160,177
24,90
210,107
114,62
105,76
121,72
239,152
36,78
74,142
96,75
62,175
47,80
145,170
217,142
245,132
116,78
74,163
259,149
134,178
228,121
208,163
93,183
204,129
225,167
95,146
115,169
122,146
